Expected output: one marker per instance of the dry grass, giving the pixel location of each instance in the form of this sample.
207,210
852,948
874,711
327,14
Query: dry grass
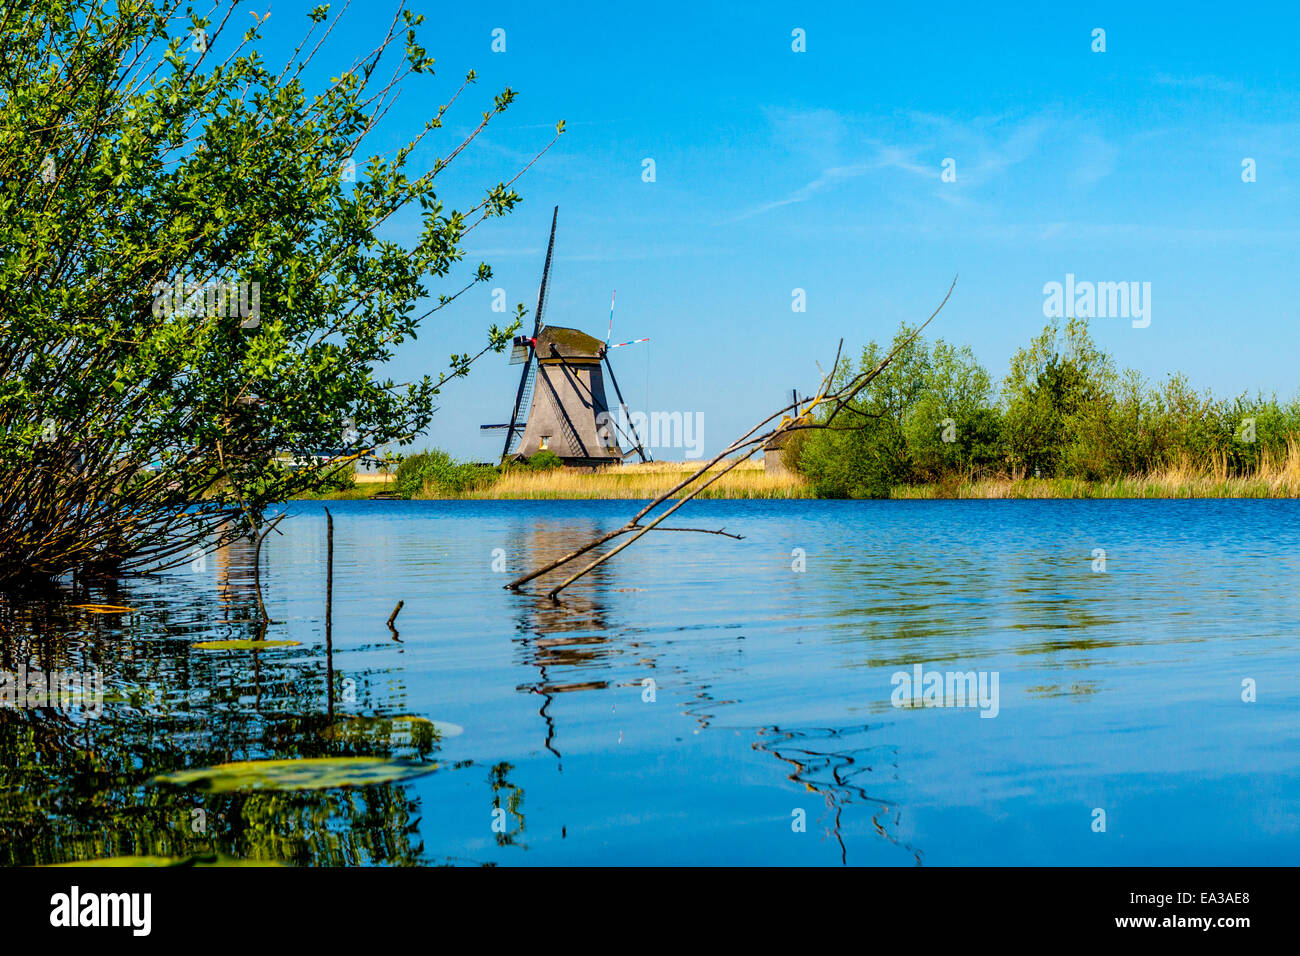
1275,478
642,481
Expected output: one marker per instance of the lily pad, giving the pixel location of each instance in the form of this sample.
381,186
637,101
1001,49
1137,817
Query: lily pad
219,859
102,608
242,644
317,773
129,861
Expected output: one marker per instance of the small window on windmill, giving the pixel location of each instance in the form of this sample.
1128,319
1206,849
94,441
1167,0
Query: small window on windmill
546,443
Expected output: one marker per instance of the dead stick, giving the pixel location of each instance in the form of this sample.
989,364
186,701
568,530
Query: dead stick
329,613
257,569
650,527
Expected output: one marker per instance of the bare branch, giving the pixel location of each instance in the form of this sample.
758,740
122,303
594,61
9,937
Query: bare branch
836,398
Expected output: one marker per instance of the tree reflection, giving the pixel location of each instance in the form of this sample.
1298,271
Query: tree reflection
74,787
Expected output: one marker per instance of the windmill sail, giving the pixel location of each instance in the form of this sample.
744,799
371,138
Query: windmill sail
529,373
560,405
635,439
525,399
546,275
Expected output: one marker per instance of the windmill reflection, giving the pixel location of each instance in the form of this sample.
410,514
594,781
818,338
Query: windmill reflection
563,640
826,763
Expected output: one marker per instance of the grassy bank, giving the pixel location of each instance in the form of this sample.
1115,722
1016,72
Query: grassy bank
366,486
636,481
1273,479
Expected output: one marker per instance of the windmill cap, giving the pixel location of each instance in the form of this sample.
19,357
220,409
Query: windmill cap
568,343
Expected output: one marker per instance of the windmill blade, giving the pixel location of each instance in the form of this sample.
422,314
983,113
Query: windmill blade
520,350
516,425
639,445
546,274
633,342
611,317
524,350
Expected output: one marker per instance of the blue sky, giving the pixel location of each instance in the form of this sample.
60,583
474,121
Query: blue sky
821,170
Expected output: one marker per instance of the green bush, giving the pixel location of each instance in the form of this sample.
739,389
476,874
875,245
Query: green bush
344,479
928,414
1057,396
545,460
436,473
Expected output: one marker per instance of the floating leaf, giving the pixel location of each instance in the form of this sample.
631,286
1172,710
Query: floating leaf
219,859
242,644
129,861
318,773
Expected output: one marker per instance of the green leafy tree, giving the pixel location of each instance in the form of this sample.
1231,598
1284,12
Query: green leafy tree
196,281
1057,396
927,415
866,455
952,427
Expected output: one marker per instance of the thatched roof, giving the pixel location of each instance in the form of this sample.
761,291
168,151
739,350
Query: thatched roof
569,343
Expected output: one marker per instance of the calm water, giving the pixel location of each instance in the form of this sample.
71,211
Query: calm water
1119,691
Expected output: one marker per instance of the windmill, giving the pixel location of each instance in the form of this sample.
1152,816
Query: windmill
560,403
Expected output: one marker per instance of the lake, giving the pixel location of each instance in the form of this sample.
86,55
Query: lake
1100,682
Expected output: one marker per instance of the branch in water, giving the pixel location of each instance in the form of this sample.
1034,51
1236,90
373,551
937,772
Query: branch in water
837,400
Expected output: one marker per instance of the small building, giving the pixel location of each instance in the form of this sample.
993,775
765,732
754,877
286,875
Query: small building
774,462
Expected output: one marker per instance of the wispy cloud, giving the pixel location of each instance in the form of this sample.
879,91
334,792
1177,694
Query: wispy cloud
1206,81
983,148
836,175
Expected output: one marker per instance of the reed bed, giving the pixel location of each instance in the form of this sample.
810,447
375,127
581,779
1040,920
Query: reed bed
640,481
1276,477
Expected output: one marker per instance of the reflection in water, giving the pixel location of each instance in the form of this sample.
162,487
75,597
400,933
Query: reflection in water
826,763
580,617
84,791
236,590
79,787
1129,678
508,821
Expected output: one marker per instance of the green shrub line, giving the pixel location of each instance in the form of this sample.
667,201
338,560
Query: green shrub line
933,422
435,474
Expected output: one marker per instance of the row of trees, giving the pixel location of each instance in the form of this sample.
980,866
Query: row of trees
195,278
1063,410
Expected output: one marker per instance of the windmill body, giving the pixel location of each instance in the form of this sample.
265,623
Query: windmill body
560,405
568,411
